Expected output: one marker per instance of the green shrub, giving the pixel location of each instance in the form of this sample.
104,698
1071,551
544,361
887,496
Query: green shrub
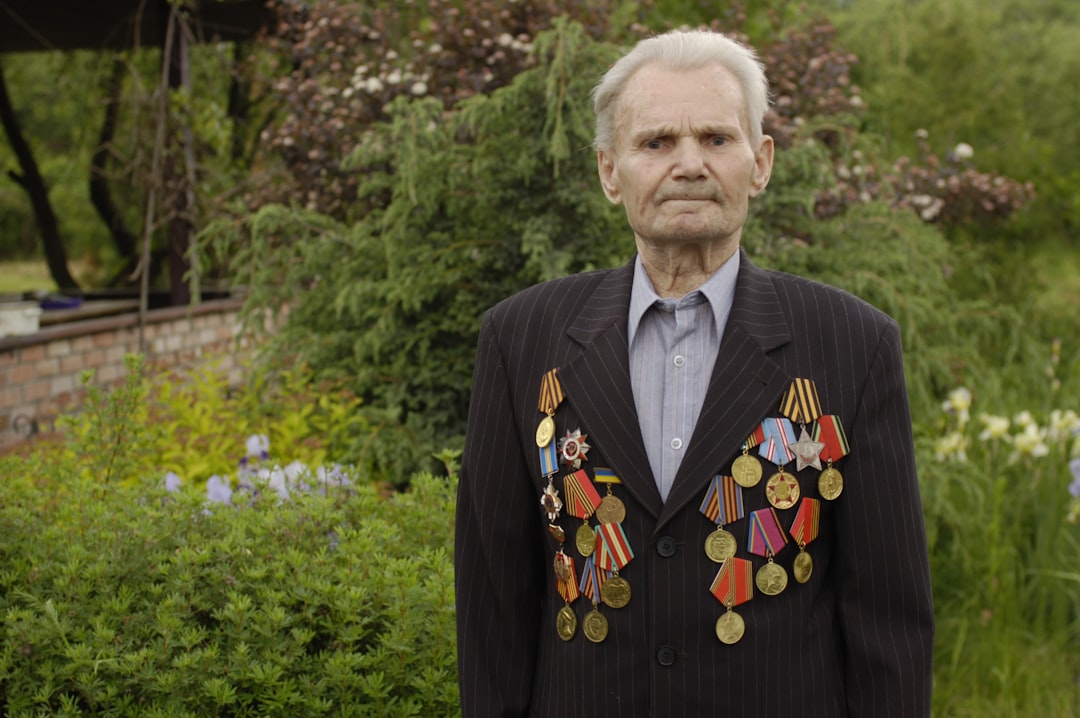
124,598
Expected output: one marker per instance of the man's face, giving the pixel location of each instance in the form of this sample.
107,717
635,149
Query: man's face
683,164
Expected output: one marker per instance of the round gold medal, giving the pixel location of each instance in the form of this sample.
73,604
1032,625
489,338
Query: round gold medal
830,483
730,628
585,540
746,470
771,579
615,592
782,490
595,626
611,510
545,432
566,623
720,545
803,568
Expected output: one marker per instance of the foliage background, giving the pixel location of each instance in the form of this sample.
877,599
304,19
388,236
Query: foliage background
444,201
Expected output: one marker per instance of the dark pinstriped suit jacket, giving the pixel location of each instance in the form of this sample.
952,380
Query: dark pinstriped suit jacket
853,641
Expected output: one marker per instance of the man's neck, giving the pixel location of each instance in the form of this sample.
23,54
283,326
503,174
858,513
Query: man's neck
677,270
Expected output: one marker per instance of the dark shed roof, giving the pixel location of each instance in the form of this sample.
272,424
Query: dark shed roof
29,25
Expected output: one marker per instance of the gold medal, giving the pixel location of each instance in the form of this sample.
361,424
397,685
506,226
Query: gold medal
771,579
746,470
611,510
830,483
595,626
804,567
566,623
545,432
782,490
585,540
720,545
616,591
730,627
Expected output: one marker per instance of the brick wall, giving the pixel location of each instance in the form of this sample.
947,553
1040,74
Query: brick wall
40,373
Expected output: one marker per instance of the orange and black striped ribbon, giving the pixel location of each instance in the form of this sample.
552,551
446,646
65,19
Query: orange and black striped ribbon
551,393
801,403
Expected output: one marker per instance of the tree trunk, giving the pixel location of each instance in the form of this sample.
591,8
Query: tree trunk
31,181
123,239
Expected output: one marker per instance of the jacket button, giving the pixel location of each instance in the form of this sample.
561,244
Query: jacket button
666,546
665,656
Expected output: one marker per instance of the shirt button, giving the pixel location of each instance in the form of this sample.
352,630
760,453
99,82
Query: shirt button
665,656
666,546
676,443
679,360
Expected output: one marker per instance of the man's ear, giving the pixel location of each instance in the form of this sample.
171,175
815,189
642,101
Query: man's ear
763,162
605,167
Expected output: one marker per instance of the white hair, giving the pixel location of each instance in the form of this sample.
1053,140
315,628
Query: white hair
683,50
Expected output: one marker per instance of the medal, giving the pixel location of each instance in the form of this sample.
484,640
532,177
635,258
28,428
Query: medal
612,548
778,434
732,586
782,490
585,540
550,501
723,504
830,432
771,579
557,532
807,451
804,529
720,545
616,591
730,627
595,626
804,566
551,396
545,432
611,509
746,470
830,483
573,448
564,566
566,623
767,538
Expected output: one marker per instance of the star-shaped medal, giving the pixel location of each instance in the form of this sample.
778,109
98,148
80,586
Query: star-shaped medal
807,451
573,448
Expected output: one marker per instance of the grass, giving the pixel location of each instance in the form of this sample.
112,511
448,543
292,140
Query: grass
30,275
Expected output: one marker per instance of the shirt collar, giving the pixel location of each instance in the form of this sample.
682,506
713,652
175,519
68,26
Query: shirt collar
718,289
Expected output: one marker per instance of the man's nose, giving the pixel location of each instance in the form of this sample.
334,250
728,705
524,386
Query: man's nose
689,159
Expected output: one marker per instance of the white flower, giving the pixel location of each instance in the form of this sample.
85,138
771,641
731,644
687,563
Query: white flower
1031,441
964,151
394,77
506,39
218,490
258,446
958,402
1064,424
952,446
172,482
373,85
419,88
997,427
1024,419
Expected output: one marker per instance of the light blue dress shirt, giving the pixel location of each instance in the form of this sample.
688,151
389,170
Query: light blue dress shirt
673,346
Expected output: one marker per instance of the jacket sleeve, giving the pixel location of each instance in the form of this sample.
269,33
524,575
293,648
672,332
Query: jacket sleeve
499,579
885,603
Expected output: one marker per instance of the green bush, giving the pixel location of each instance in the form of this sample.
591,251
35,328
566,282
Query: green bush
124,598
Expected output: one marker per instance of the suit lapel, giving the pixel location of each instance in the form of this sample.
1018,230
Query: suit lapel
597,385
746,385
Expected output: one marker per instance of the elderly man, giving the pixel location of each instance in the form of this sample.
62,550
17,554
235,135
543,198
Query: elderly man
688,487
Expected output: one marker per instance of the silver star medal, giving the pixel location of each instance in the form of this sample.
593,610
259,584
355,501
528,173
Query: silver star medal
807,451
